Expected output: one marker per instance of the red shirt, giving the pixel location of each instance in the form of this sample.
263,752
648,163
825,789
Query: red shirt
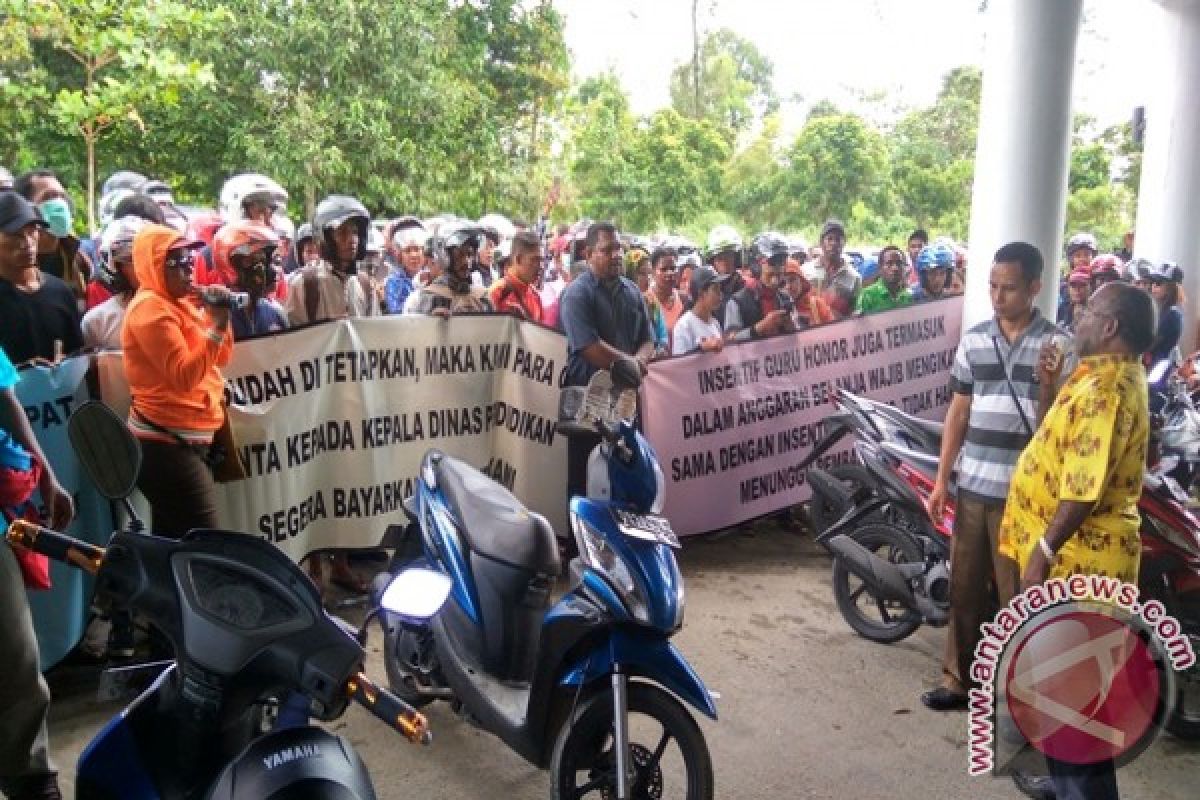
510,295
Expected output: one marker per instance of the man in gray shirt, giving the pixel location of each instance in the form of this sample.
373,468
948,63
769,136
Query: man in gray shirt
1003,382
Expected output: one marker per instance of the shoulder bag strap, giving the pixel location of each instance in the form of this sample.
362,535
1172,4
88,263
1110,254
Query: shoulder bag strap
1012,392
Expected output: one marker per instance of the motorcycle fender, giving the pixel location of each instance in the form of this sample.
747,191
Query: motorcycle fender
112,764
850,520
650,656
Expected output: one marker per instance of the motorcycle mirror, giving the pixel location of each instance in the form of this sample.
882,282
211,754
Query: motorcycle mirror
1158,372
626,405
416,594
106,448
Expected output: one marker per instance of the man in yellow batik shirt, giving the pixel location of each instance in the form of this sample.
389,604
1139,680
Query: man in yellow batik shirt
1072,507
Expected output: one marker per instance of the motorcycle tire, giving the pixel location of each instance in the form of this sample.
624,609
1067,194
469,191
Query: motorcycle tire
1183,721
583,748
824,511
896,622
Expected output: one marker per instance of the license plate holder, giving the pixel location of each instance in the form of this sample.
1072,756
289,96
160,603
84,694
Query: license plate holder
648,527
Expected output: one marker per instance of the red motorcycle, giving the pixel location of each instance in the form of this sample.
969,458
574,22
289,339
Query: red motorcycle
891,570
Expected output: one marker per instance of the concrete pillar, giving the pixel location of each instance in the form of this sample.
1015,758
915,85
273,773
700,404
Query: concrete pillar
1023,153
1168,212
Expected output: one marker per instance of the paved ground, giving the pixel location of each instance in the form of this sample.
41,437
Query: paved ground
808,709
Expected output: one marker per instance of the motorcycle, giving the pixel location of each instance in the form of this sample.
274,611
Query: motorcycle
245,624
1176,423
887,541
903,562
562,687
869,421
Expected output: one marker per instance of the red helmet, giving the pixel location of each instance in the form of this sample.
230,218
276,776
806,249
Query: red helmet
1107,265
203,226
237,240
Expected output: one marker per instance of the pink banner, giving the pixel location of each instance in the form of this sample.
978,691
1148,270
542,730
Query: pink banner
730,428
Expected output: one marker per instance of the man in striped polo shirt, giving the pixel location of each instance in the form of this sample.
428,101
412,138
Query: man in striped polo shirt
1003,383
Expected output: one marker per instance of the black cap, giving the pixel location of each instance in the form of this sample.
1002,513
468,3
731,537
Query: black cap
833,224
703,277
16,212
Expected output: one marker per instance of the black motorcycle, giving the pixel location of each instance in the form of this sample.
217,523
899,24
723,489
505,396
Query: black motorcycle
246,626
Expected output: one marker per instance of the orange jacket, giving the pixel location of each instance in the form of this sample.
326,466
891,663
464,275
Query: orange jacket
171,362
510,295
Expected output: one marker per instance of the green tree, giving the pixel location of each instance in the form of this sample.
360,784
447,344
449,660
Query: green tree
834,163
676,164
1106,210
752,178
125,58
932,154
1090,166
735,84
599,146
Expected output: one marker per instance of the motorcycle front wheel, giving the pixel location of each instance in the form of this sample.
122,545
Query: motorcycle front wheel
667,748
871,616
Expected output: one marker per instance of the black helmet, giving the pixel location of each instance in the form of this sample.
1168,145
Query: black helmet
768,244
453,235
331,213
303,763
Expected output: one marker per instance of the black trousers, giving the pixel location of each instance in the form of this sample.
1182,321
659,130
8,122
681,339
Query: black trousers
180,487
1083,781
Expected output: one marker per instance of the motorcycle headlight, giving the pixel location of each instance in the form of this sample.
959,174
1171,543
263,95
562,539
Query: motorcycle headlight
598,554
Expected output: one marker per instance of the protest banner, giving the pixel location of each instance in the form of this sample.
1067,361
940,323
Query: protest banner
730,428
332,421
49,396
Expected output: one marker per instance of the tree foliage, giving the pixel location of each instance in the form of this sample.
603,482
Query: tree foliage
421,106
111,60
444,105
835,162
735,84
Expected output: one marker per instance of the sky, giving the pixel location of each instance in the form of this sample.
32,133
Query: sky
845,49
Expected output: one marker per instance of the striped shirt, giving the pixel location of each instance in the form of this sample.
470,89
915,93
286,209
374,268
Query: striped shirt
996,434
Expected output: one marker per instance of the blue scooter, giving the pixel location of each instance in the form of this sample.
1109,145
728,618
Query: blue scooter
246,625
591,687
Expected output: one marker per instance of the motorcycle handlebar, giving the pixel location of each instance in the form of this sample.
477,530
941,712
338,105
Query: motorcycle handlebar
59,546
402,717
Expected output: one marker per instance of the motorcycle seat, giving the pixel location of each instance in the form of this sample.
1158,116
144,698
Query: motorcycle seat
493,521
928,430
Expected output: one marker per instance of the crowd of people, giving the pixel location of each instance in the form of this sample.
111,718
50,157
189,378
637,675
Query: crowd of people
173,289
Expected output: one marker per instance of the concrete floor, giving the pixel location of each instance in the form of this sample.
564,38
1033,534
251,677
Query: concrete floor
808,709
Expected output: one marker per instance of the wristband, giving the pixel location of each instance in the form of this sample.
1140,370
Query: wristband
1046,551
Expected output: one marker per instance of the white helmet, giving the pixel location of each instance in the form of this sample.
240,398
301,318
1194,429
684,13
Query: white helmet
248,186
109,203
374,240
723,238
116,242
283,226
499,224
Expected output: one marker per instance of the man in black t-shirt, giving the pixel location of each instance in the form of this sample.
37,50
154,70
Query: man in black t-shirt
38,314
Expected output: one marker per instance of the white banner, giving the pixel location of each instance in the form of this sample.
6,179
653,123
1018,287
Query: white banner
332,421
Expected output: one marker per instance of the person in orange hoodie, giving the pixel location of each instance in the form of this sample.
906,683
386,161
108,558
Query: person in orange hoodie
174,348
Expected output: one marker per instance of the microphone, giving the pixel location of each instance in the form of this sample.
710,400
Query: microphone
211,296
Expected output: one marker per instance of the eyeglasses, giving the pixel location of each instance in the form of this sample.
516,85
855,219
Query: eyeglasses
180,259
